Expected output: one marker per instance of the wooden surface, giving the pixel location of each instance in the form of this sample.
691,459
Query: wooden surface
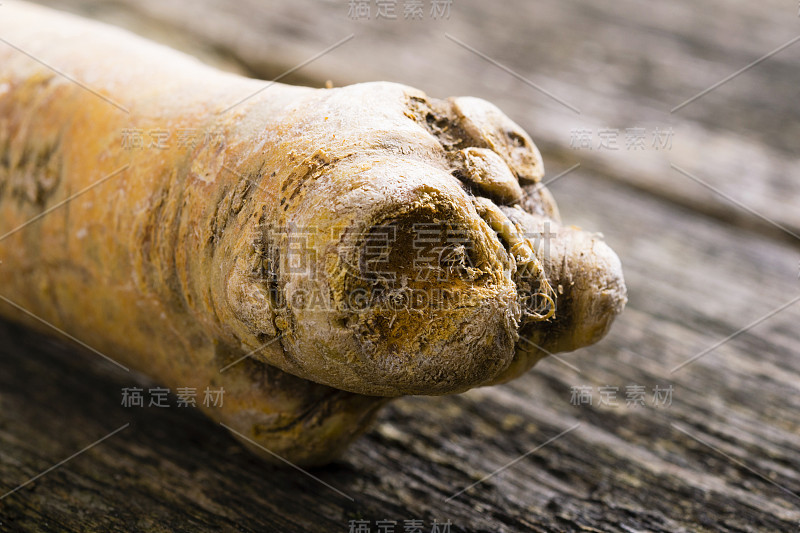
723,456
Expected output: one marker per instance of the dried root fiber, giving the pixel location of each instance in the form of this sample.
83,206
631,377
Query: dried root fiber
327,249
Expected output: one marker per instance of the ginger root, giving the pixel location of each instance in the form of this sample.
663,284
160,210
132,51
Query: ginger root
323,251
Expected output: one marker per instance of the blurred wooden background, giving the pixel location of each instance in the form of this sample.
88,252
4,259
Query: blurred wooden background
705,219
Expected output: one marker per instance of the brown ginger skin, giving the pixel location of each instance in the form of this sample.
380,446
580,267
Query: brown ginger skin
186,258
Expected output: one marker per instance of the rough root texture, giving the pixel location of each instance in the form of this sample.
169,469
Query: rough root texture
312,251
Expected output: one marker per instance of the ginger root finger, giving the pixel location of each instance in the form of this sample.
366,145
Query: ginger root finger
587,286
250,244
